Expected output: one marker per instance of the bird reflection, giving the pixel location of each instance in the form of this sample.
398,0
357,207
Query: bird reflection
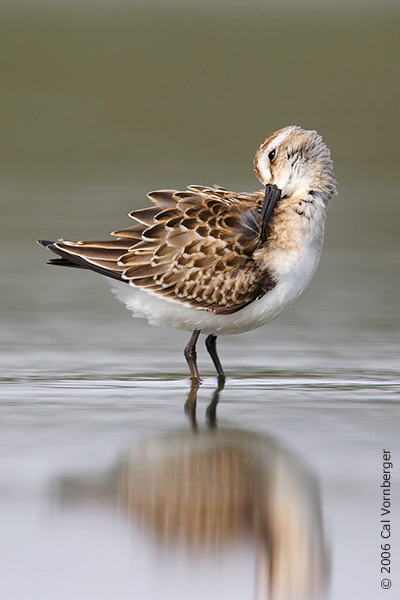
211,412
209,490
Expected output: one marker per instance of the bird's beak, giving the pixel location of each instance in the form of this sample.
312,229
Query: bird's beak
272,195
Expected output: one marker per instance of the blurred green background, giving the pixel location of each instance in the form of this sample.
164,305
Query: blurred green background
102,102
177,93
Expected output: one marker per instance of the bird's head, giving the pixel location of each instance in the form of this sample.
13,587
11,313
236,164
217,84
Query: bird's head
297,162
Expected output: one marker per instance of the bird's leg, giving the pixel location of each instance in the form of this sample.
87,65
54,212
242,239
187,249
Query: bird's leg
211,345
191,356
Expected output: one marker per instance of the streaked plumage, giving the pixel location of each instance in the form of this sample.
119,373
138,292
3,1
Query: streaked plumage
218,261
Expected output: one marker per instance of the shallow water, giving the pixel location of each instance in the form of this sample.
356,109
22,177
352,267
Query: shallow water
62,520
108,488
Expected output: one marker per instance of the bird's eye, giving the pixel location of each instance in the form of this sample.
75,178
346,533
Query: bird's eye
272,155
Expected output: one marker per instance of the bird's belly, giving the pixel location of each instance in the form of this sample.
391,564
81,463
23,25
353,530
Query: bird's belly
293,276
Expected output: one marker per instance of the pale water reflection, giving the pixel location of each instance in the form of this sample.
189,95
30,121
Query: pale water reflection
203,496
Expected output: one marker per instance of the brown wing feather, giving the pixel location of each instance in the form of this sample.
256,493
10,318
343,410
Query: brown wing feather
196,246
202,250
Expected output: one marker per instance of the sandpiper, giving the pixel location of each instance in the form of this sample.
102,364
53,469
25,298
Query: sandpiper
208,260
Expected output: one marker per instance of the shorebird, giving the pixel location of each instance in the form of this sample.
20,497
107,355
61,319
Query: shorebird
212,261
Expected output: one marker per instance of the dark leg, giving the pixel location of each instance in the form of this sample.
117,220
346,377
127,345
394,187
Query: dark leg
211,344
191,356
